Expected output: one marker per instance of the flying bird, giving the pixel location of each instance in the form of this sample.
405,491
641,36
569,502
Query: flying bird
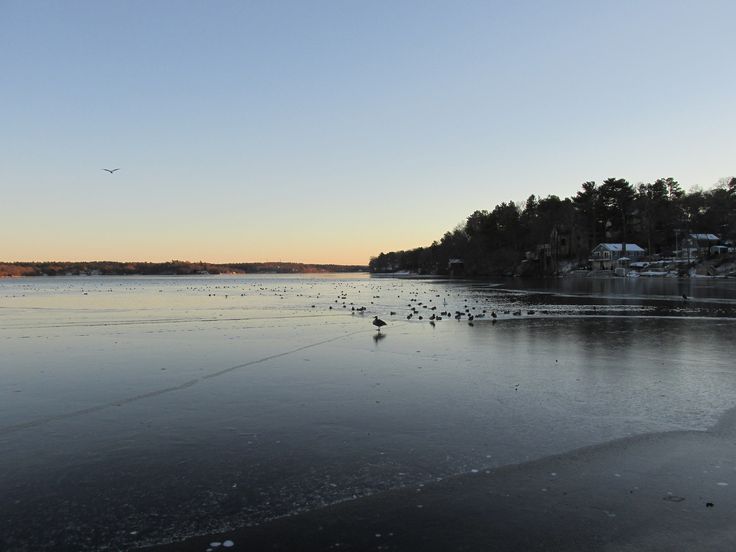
111,170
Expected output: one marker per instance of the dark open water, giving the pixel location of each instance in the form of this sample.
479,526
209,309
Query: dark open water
141,410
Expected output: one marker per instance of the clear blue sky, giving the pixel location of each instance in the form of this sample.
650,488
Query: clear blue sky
330,131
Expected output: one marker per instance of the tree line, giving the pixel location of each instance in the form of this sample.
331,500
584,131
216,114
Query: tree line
179,268
654,215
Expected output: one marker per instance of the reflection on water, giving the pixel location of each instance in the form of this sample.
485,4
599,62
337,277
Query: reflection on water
137,410
378,336
697,289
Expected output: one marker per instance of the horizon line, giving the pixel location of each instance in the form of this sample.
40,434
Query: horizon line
185,261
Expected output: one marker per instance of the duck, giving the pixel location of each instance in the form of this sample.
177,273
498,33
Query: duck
378,323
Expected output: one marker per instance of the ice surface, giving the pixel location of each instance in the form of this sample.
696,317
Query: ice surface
160,404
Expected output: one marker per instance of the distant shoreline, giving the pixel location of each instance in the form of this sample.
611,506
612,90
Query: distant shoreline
171,268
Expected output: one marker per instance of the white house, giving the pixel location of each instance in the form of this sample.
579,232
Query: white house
605,256
699,244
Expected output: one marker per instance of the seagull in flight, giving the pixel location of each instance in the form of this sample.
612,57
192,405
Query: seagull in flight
111,170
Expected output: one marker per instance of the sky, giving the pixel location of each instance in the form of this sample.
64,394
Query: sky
330,131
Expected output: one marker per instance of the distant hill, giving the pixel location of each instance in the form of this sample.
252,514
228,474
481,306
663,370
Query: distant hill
105,268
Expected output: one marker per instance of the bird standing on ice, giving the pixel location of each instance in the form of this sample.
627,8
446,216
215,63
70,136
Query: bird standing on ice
377,322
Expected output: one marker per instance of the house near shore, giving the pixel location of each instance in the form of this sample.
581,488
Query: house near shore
456,268
699,244
568,242
565,243
608,256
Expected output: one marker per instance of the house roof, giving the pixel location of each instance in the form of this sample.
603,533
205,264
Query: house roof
704,237
619,246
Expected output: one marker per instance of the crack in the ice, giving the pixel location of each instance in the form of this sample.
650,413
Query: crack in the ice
185,385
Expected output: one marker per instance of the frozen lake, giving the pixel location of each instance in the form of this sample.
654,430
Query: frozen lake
140,410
